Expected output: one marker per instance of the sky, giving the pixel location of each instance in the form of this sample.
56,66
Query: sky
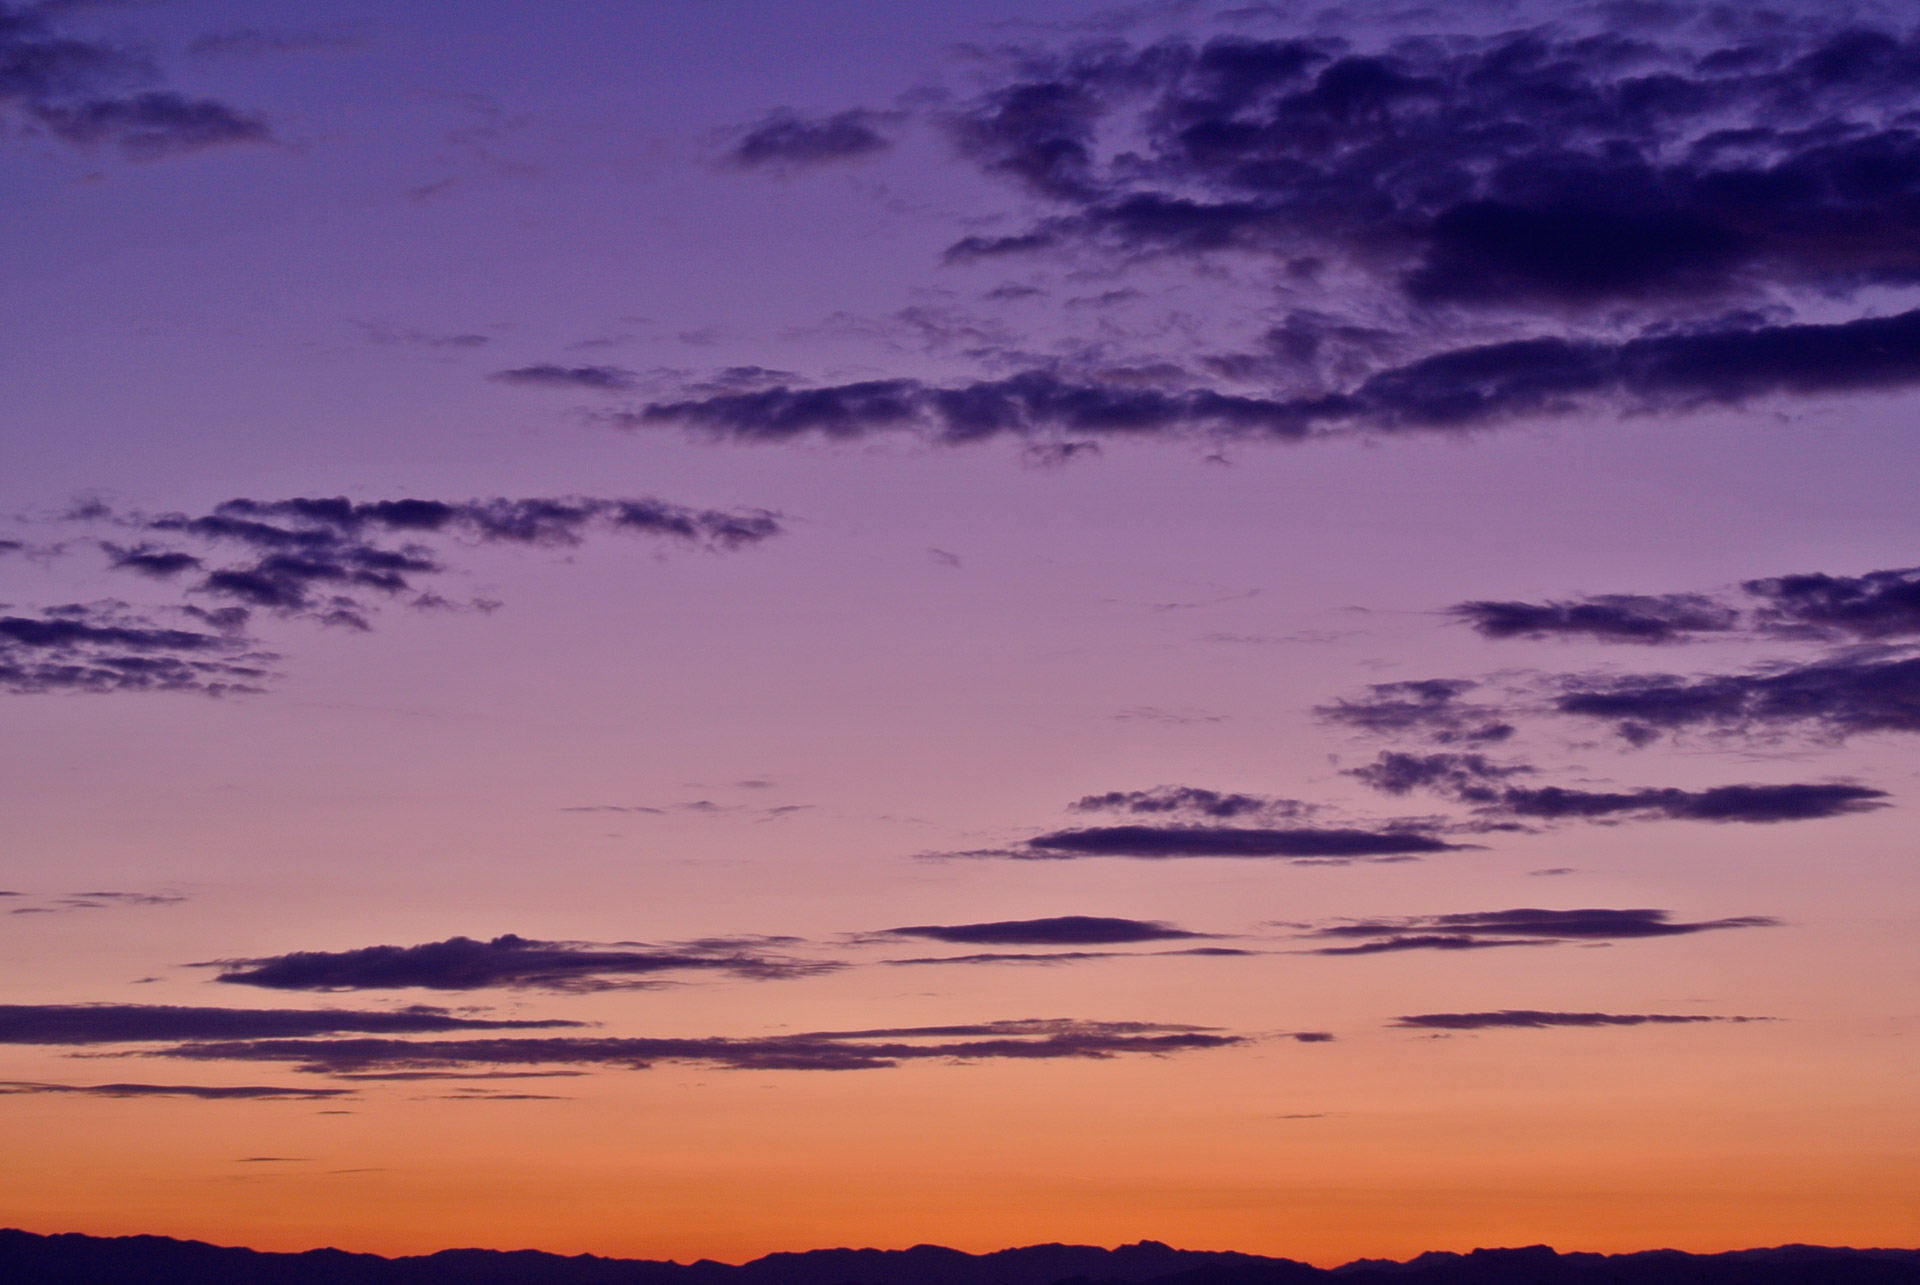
682,630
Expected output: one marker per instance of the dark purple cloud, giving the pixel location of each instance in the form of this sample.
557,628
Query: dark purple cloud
205,1092
1530,169
1062,930
1472,778
1637,618
1033,1039
327,560
461,963
599,379
1877,606
1880,606
1428,707
1525,1018
108,647
788,140
1191,801
1164,842
1523,927
1837,697
1458,389
87,93
144,1023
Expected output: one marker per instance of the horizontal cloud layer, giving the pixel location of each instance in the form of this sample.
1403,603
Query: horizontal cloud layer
1043,1039
1228,841
1471,778
1062,930
1526,1018
1878,606
205,1092
1527,926
1460,388
141,1023
461,963
110,647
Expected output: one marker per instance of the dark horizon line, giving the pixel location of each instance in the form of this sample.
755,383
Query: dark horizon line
172,1259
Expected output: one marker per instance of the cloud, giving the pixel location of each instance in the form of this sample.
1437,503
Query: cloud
1430,707
1754,804
600,379
1460,776
1160,842
1880,605
1551,167
1472,778
1524,927
1029,1039
1635,618
788,140
211,1093
1466,228
326,560
1187,800
82,92
152,124
142,1023
1458,389
1534,1019
1063,930
101,901
108,647
461,963
1837,697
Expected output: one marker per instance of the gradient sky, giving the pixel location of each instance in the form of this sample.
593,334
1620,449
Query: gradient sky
686,630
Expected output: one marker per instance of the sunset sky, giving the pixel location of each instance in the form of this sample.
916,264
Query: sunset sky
683,629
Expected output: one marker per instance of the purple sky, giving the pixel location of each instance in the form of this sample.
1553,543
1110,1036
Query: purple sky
789,537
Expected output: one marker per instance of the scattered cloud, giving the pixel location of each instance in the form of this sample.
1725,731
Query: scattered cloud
787,140
110,647
461,963
205,1092
1164,842
599,379
1841,696
325,560
1190,801
1879,606
1062,930
99,901
1028,1039
142,1023
1472,778
1524,927
1533,1019
89,93
1635,618
1430,707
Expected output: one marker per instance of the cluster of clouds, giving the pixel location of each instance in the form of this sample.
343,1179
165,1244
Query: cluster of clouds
1633,211
91,93
326,560
1857,671
373,1044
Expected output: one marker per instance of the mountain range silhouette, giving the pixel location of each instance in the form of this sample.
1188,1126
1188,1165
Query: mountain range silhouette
72,1259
